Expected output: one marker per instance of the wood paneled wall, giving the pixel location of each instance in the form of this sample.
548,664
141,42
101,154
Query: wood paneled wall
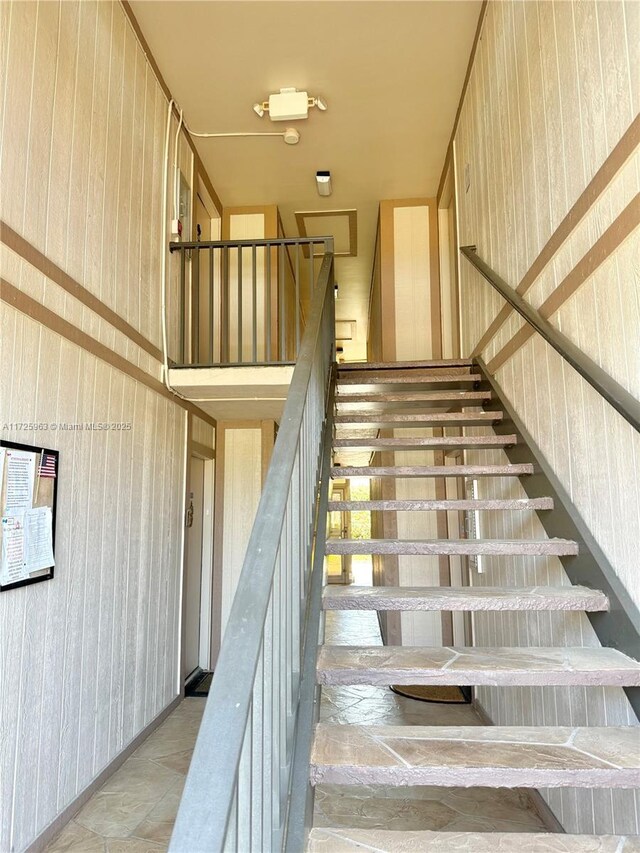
89,659
548,174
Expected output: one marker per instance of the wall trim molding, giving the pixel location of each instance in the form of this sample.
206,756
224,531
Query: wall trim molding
624,149
619,230
28,252
56,826
40,314
465,85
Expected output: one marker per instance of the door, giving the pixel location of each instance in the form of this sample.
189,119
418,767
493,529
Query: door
339,565
193,568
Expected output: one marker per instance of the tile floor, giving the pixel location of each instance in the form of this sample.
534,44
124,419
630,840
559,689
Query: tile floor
135,809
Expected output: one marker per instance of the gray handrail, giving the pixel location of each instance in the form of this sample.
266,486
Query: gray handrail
621,400
211,795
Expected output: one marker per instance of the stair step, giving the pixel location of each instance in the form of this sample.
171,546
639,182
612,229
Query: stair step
380,378
466,598
381,666
448,442
382,419
489,756
450,505
415,397
400,365
345,840
432,471
495,547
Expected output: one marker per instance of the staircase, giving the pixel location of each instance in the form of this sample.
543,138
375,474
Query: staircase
435,395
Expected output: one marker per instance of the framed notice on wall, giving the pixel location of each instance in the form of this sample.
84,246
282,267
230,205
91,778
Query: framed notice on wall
28,492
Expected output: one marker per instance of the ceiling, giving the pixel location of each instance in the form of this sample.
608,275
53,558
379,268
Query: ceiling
390,71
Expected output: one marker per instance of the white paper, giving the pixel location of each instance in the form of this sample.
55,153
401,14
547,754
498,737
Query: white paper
38,539
2,455
12,566
21,469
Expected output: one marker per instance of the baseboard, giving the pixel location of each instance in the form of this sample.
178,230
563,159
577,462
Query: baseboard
541,806
49,833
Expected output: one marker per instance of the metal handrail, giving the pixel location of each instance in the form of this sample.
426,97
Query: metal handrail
621,400
240,302
221,807
247,244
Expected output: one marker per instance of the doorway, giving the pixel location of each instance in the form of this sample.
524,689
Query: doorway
339,565
197,589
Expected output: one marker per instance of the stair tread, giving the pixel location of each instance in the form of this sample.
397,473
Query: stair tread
558,547
400,365
432,470
451,665
464,598
347,840
466,756
399,419
450,504
414,443
416,379
414,397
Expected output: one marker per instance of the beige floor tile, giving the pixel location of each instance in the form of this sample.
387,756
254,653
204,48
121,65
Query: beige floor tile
75,838
113,815
142,779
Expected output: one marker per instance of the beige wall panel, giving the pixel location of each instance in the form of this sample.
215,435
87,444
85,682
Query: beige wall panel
247,226
203,433
82,175
412,283
553,89
92,655
242,490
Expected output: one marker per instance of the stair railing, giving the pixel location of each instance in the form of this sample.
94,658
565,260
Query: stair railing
621,400
241,301
252,749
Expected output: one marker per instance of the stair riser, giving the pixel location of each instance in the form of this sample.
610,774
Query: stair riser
479,442
473,678
447,505
403,365
477,605
433,471
416,421
452,547
470,777
466,398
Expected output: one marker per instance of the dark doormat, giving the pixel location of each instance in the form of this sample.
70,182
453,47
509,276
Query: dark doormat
426,693
200,685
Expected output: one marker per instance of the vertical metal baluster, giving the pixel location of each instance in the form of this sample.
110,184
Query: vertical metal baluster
212,303
311,271
297,307
267,352
239,304
267,729
281,300
195,306
257,758
183,306
275,697
245,772
254,287
224,309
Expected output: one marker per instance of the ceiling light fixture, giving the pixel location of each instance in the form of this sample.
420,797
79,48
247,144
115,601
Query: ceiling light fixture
288,105
323,183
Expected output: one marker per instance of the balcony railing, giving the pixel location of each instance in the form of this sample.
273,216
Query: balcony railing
248,782
242,301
